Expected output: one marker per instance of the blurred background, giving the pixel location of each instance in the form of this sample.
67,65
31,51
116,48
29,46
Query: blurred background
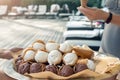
24,21
71,3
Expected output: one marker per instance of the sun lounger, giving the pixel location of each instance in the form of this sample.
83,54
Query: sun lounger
62,15
93,44
54,8
81,32
31,11
15,12
79,25
78,18
3,10
42,10
92,38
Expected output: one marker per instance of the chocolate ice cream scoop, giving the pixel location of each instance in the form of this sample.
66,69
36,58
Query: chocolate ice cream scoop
52,68
24,68
18,58
80,67
37,67
66,70
17,63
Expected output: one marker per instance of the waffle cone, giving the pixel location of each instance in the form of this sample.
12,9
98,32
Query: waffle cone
84,3
83,53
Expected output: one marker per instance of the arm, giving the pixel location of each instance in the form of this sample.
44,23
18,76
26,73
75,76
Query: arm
116,19
6,53
97,14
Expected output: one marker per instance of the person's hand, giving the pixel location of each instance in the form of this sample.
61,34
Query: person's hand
6,53
94,13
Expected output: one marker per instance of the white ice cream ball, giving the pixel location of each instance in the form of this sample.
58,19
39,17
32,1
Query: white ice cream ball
38,45
65,47
52,46
24,51
91,65
70,59
41,56
54,57
29,55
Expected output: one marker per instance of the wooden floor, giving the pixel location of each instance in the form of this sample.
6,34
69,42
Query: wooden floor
23,32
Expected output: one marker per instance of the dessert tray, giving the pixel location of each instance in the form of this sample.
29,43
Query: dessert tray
60,61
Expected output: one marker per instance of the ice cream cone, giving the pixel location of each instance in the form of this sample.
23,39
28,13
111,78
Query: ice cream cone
84,3
83,53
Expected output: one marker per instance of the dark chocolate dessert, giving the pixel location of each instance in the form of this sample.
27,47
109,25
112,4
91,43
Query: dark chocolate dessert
24,68
19,58
52,68
66,70
37,67
80,67
18,61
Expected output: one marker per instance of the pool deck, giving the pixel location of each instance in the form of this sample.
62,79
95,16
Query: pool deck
23,32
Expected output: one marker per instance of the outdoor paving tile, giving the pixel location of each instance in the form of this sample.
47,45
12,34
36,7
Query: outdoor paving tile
22,32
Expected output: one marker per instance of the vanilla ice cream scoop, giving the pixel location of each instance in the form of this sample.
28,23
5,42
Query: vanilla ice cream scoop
84,3
91,65
70,59
29,54
41,56
38,45
65,47
52,46
54,57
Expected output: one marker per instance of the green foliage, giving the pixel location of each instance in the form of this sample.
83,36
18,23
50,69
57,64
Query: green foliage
73,4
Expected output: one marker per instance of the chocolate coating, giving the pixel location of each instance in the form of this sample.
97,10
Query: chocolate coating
52,68
80,67
37,67
66,71
18,58
17,63
24,68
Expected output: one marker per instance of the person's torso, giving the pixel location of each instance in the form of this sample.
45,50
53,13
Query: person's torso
111,40
111,37
113,6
